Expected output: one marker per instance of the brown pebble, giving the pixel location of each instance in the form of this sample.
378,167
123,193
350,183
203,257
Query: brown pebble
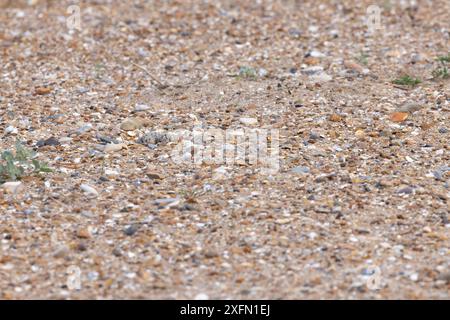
84,233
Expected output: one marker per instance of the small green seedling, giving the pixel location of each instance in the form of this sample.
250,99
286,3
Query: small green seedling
363,58
407,81
247,73
444,59
21,163
443,70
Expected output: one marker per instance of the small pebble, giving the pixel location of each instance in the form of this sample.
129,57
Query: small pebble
11,130
141,107
410,107
406,190
414,277
12,187
113,147
48,142
87,127
88,189
154,138
201,296
248,121
301,170
131,124
83,233
315,70
131,230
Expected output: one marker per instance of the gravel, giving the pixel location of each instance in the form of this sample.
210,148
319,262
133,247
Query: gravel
362,181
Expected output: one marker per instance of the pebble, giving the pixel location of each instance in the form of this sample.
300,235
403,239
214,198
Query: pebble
405,190
209,254
300,169
11,130
113,147
414,277
283,221
399,116
85,128
154,175
410,107
93,275
445,277
314,70
313,29
111,172
88,189
167,202
154,138
142,52
82,246
131,124
82,90
48,142
201,296
220,173
443,130
106,139
313,136
262,72
84,233
322,77
12,187
417,57
61,252
117,252
334,33
42,90
312,235
439,173
315,54
248,121
335,118
353,66
141,107
64,140
131,230
294,32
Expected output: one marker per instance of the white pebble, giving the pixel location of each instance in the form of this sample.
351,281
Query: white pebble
317,54
201,296
11,130
12,187
141,107
414,277
112,147
88,189
248,121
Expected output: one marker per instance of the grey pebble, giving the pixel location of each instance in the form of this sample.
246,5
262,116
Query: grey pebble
439,173
131,230
300,169
154,138
406,190
48,142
